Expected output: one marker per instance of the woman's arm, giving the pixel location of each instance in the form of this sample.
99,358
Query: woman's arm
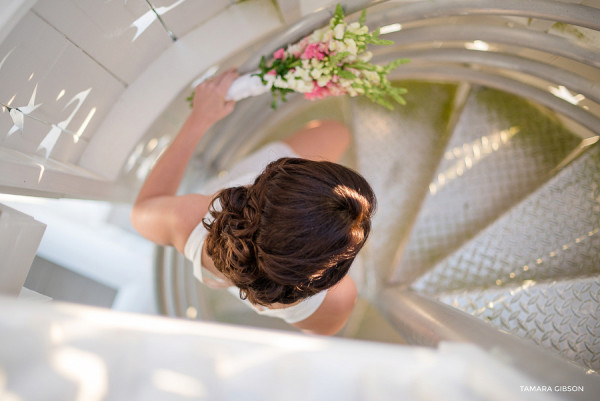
157,213
334,312
321,140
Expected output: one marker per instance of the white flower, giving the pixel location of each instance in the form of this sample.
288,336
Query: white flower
333,45
363,30
366,57
338,31
316,63
351,46
316,73
372,76
280,83
302,73
270,79
324,80
345,83
304,86
353,27
317,35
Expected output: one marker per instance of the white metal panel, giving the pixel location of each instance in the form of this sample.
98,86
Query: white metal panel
72,352
20,236
290,10
12,12
71,89
308,6
181,16
228,32
123,36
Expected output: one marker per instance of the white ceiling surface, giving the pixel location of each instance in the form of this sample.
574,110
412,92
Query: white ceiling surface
99,73
233,30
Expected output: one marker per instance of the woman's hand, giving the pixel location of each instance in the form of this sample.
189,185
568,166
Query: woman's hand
158,214
209,105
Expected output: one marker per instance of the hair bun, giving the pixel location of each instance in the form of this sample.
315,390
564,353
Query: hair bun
358,207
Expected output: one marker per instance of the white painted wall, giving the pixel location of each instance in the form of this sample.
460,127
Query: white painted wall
20,236
96,75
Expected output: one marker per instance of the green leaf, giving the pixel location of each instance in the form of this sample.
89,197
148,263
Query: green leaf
263,64
363,17
339,14
346,74
361,65
395,63
338,58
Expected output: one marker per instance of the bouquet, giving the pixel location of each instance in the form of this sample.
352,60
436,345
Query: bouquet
332,61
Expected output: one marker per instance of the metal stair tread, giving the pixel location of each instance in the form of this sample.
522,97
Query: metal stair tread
503,148
562,238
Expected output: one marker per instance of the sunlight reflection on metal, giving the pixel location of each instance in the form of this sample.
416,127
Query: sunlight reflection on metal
4,106
538,262
6,56
84,125
565,94
178,383
57,334
86,369
52,136
191,312
135,155
42,169
478,45
498,301
469,155
60,95
148,162
144,22
151,144
17,113
390,28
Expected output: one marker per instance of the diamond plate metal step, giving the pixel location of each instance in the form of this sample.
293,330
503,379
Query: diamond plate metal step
502,149
535,272
399,151
552,235
562,317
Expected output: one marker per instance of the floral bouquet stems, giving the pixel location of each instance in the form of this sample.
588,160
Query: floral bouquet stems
332,61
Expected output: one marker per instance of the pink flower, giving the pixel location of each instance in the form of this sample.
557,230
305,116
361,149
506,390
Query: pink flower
317,93
314,50
335,90
271,72
279,54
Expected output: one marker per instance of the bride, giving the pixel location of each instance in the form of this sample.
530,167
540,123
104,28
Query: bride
283,238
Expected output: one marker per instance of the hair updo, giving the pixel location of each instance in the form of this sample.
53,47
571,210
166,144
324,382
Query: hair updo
293,233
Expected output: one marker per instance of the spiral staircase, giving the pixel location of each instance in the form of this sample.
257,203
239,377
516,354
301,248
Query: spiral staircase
488,180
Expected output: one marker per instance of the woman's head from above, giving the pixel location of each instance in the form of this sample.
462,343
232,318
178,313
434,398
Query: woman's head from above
293,233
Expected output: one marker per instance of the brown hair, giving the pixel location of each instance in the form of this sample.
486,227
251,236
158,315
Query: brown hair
293,233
